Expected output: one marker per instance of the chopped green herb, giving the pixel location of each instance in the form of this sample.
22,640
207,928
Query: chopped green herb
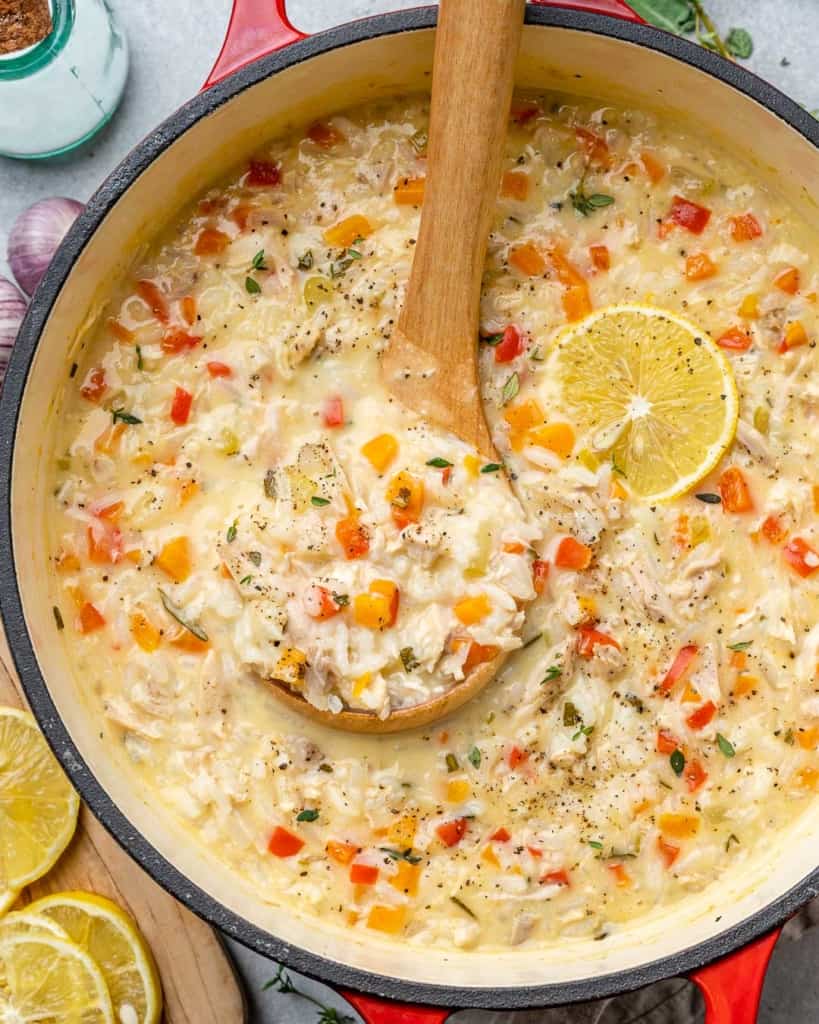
686,16
510,389
739,43
474,756
306,260
536,355
709,498
491,467
408,659
464,907
58,617
571,716
252,286
731,839
177,613
789,739
584,730
492,339
258,261
452,763
270,483
615,468
677,762
319,502
327,1014
73,371
742,645
342,600
125,417
585,204
245,580
230,536
140,365
595,845
354,254
324,767
552,672
725,745
407,855
308,814
337,267
439,463
255,557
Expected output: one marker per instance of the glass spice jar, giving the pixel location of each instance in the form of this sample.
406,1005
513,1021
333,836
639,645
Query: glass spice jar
58,92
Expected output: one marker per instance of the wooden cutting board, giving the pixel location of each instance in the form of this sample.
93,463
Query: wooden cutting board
198,978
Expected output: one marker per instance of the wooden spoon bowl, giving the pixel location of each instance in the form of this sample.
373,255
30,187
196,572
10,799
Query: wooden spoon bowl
431,363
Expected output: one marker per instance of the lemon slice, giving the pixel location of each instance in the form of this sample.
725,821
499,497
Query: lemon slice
49,980
38,807
109,935
23,922
651,391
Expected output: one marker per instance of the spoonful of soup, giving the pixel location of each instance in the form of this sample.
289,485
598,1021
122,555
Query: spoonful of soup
430,366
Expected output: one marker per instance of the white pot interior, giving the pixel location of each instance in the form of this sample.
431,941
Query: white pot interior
553,58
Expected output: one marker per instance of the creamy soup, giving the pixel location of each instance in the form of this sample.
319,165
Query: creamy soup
237,500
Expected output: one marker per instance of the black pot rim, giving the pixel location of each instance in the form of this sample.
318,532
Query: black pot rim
158,867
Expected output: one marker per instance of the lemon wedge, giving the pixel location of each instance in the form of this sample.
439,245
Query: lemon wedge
38,807
110,936
649,390
47,979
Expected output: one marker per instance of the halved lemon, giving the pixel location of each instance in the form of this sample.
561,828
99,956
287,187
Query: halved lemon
47,979
38,807
649,390
110,936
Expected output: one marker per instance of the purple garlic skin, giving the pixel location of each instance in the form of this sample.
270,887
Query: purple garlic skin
12,310
34,238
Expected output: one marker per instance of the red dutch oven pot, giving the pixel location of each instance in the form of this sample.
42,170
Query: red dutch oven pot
268,77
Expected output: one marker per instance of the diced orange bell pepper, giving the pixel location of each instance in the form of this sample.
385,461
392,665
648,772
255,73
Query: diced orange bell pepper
457,791
528,259
490,857
668,851
283,843
175,559
745,684
94,385
695,776
521,418
749,307
556,437
187,307
452,832
346,231
380,451
690,695
808,739
572,554
470,610
402,831
210,242
596,148
801,557
516,757
559,877
733,489
576,302
679,824
90,619
353,537
735,340
702,716
515,185
409,191
679,667
186,641
745,228
540,574
622,878
119,330
589,638
154,299
371,610
341,853
387,919
787,280
699,266
666,743
388,590
653,168
144,632
406,878
794,337
773,530
405,493
600,257
479,654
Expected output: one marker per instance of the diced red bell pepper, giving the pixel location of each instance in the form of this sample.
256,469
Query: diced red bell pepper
94,385
177,341
332,411
679,667
263,174
571,554
540,574
181,406
319,603
668,851
560,877
702,716
283,843
363,874
735,340
517,757
666,743
500,835
600,256
353,537
588,638
325,134
597,149
801,557
524,111
90,619
695,776
773,530
452,832
216,369
688,215
153,298
510,346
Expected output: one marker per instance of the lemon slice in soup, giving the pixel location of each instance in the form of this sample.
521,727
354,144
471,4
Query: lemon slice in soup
651,392
38,807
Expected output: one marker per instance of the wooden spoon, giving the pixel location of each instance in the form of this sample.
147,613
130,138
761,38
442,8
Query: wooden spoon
431,364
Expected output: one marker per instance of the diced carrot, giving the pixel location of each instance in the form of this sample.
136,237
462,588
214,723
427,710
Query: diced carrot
470,610
749,307
745,227
405,493
144,632
406,878
500,835
154,299
176,341
341,853
540,574
325,134
702,716
409,191
263,174
516,757
479,654
653,168
119,330
666,743
679,824
363,874
556,437
353,537
332,411
572,554
589,638
679,667
528,259
559,877
380,451
622,878
515,185
210,242
217,369
319,603
773,530
668,851
387,919
801,557
511,345
596,149
735,340
795,336
283,843
787,280
452,832
175,559
600,256
181,406
733,489
699,266
89,619
94,385
695,776
346,231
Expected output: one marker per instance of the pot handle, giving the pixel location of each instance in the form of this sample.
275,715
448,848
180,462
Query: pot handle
259,27
732,986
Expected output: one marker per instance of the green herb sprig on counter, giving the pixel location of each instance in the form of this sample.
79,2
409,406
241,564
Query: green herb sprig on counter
326,1014
686,17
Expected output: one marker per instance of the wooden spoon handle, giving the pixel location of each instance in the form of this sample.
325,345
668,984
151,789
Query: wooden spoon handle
476,47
